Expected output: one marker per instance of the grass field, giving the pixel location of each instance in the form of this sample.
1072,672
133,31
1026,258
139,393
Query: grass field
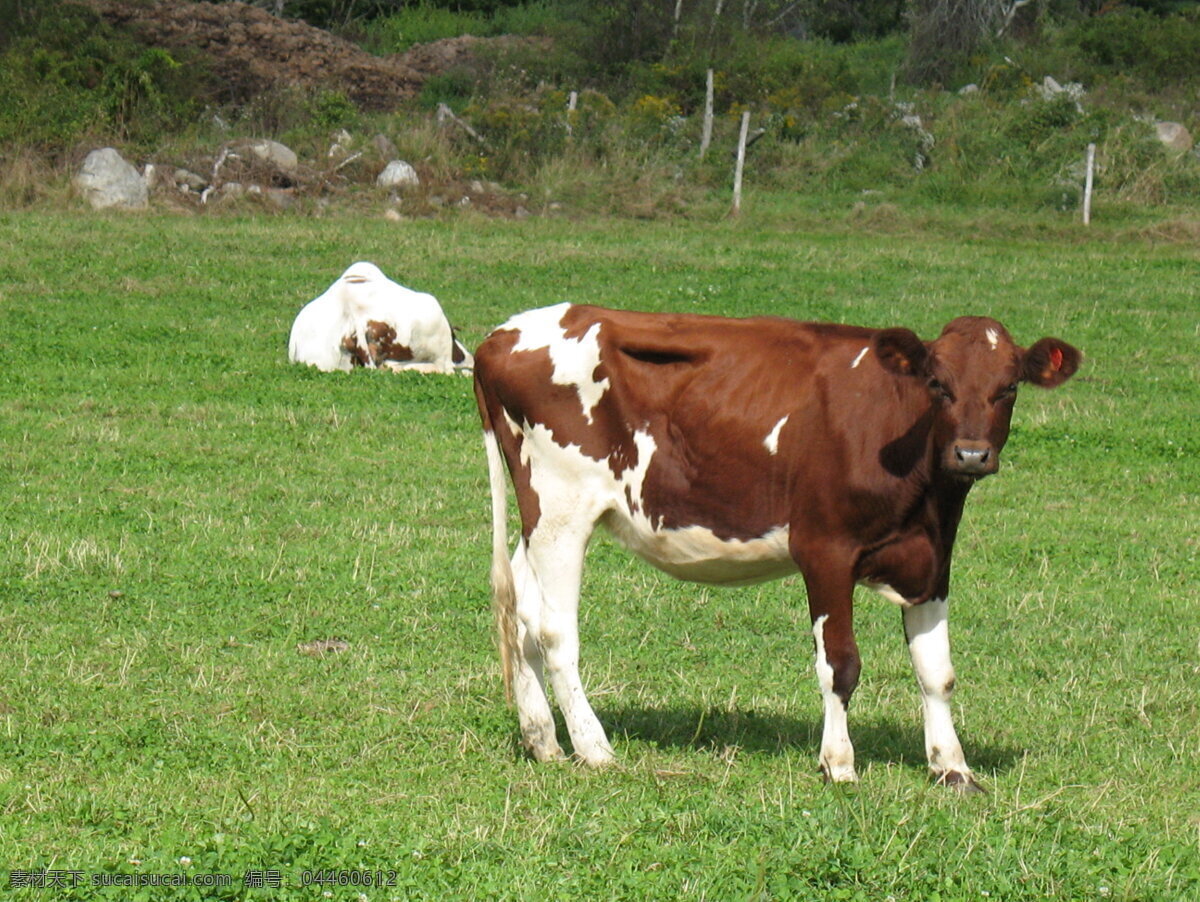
182,510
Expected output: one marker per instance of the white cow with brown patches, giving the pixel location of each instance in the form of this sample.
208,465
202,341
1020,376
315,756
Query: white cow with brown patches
734,451
366,319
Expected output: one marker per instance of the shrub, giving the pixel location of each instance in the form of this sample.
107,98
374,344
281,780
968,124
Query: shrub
69,74
420,24
330,110
453,87
1163,51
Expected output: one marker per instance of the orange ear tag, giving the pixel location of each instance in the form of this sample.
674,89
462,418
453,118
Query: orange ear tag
1056,359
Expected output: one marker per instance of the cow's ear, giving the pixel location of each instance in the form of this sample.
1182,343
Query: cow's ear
901,352
1049,363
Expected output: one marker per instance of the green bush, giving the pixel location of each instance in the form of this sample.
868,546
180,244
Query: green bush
420,24
1161,50
332,110
67,74
453,87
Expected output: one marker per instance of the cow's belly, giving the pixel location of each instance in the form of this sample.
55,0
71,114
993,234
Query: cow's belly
696,554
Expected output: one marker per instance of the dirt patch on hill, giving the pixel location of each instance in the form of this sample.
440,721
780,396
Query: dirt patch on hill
249,51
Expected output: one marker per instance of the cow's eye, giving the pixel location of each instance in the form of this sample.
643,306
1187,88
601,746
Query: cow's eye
1009,391
940,391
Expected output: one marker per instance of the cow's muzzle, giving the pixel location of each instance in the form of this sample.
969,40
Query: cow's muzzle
972,459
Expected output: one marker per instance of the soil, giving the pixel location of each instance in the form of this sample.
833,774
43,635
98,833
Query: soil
250,51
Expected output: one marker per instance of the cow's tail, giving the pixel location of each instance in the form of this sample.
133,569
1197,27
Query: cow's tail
504,591
460,357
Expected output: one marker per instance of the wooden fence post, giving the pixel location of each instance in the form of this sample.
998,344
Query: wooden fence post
1087,184
741,162
706,133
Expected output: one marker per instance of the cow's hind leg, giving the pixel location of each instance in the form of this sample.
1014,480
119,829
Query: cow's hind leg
926,628
529,690
555,554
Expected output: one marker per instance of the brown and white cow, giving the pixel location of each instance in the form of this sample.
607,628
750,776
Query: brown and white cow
731,451
366,319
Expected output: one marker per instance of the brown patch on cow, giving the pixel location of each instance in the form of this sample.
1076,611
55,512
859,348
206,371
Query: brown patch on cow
358,355
381,345
381,338
492,362
530,396
457,352
910,564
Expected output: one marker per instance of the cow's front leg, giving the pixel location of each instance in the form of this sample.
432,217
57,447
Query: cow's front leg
926,627
827,577
838,666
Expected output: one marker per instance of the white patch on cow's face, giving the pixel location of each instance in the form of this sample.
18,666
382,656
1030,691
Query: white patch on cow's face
771,442
857,360
574,359
993,338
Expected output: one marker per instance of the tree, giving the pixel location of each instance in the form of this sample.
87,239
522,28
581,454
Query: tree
944,33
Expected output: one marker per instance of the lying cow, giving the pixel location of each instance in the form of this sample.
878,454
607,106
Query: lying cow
731,451
366,319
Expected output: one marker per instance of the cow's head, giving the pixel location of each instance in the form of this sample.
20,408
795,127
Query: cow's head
971,373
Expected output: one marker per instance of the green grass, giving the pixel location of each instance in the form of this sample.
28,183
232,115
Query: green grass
181,509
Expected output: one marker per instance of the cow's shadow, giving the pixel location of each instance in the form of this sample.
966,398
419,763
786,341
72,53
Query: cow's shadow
717,729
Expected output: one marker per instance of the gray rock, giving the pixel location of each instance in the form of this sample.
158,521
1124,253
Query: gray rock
185,180
278,155
1050,89
108,181
1174,135
398,174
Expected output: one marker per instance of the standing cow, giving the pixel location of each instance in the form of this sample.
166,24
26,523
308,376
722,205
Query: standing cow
732,451
366,319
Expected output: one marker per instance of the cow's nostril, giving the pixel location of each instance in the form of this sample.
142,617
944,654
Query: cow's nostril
973,458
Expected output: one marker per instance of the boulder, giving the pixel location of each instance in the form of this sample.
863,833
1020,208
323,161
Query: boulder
1174,135
108,181
188,181
278,155
398,174
1050,89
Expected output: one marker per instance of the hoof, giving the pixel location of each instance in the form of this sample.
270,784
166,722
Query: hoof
963,783
596,760
841,776
545,753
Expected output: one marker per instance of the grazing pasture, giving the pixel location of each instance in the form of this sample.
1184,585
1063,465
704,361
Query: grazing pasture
187,520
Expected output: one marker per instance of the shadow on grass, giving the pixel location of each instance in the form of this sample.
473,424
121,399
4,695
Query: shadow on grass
692,727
